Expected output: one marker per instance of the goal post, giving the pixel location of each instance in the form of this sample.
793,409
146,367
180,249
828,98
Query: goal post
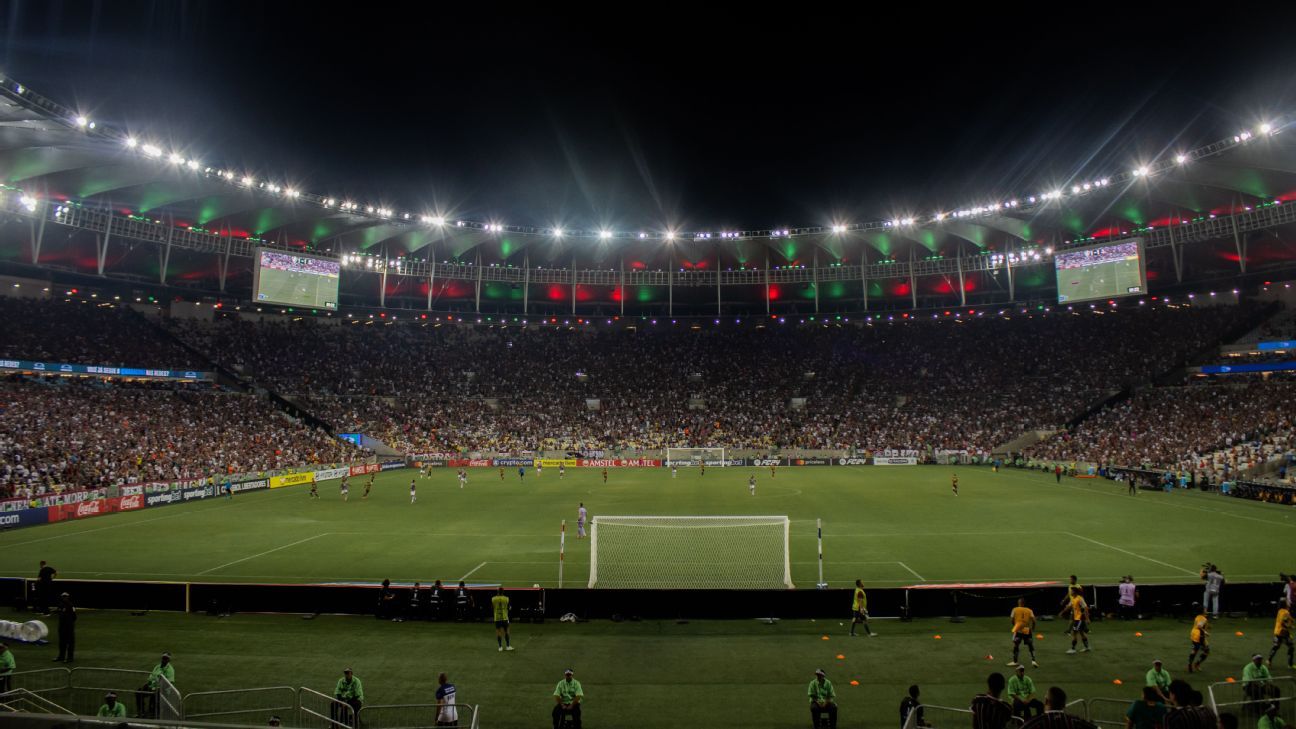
696,456
690,552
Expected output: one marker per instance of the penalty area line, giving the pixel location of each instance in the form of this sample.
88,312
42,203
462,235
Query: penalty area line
474,569
262,554
1132,554
911,570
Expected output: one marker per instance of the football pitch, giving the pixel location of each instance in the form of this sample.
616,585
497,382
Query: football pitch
888,526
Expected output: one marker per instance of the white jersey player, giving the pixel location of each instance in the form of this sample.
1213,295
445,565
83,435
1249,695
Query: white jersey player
674,470
751,485
581,514
562,471
463,478
413,494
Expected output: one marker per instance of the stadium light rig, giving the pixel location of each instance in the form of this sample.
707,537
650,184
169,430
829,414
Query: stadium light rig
1265,127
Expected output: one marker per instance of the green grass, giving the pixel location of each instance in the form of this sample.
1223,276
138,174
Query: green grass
715,673
885,525
888,526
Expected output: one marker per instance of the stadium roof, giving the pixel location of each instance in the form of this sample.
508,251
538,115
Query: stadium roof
1217,203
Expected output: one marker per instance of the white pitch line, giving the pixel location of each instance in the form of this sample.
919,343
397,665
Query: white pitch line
474,569
178,513
1132,554
262,554
1157,502
911,569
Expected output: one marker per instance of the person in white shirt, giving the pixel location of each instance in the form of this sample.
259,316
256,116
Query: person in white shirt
581,514
1128,593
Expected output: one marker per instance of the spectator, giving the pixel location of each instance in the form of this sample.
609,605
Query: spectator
112,708
66,629
447,712
1021,691
274,720
1186,711
823,699
349,691
568,695
1159,679
1055,716
910,704
988,710
146,696
1147,712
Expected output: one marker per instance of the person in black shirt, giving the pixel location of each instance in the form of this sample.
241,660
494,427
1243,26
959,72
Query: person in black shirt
45,587
910,704
66,629
988,710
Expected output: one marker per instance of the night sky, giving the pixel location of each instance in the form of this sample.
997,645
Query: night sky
656,116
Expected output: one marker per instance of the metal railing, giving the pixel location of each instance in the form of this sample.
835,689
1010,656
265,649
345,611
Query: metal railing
1107,712
87,686
416,716
47,682
1248,699
317,711
22,700
252,706
169,704
944,717
80,692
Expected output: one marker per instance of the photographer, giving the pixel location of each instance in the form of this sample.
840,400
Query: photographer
1214,580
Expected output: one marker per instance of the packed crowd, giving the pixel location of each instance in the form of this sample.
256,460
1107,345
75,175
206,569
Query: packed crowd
966,384
85,332
59,434
1215,429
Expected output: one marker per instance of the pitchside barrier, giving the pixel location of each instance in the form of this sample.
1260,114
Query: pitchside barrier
1248,699
918,600
942,717
1109,712
417,716
241,706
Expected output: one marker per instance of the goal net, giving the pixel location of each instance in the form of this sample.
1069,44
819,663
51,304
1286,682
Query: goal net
695,456
690,552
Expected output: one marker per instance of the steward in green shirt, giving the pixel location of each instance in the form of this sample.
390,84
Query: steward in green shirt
7,666
1255,679
349,688
823,698
349,691
567,700
112,707
1159,678
146,696
1021,694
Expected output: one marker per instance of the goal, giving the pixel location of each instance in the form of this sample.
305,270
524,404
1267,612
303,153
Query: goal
695,456
690,552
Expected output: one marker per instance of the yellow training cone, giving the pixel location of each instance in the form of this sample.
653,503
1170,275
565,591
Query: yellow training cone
841,657
824,638
937,637
1117,681
854,682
